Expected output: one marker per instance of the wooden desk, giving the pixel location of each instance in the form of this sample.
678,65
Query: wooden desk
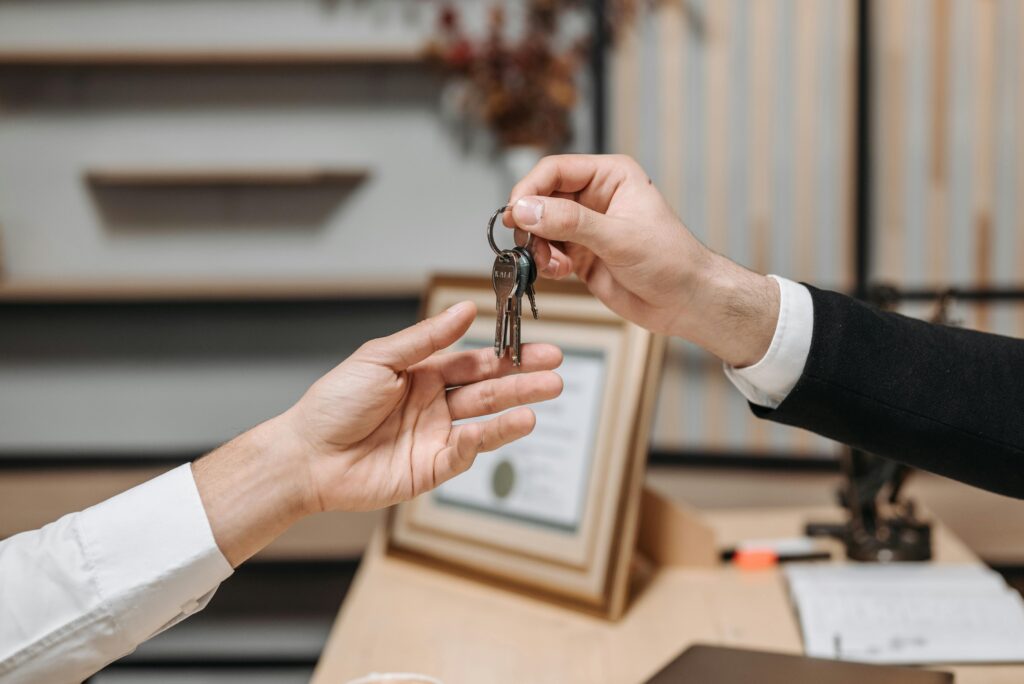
399,616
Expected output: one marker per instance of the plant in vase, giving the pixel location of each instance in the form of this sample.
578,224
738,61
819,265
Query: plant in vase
522,89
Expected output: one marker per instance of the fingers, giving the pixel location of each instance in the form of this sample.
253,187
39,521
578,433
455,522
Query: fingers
412,345
563,220
588,180
595,177
470,439
492,396
551,261
555,263
463,368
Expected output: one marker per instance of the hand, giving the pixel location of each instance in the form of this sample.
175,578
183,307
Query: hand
376,430
601,218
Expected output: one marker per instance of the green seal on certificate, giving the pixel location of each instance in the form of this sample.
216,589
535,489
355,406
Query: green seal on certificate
503,480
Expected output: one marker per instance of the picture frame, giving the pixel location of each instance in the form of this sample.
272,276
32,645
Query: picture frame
554,514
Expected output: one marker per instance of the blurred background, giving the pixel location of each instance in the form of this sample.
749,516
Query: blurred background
204,205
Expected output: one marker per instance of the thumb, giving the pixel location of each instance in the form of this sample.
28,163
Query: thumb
412,345
564,220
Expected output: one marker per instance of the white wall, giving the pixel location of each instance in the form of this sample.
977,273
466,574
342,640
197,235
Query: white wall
137,380
422,209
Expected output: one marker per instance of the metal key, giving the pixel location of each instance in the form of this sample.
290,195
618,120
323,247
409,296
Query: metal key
516,309
515,321
505,280
523,263
526,261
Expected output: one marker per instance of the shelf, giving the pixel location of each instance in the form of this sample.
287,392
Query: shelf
213,56
87,292
240,176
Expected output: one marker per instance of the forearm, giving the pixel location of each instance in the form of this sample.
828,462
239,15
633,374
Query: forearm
254,488
938,398
125,569
90,587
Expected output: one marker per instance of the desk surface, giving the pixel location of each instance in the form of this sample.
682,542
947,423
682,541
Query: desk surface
399,616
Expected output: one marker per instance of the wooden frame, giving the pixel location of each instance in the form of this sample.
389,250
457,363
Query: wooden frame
569,533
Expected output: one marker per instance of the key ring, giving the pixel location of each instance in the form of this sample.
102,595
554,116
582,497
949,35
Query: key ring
490,231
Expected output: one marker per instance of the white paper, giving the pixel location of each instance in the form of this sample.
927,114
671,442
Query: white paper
907,613
543,477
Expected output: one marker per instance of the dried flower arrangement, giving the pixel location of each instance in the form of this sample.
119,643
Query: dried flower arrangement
522,89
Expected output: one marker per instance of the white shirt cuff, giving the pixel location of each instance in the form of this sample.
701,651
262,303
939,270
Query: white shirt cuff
153,552
769,381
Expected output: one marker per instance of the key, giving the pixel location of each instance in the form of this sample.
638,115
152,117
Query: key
523,263
512,309
526,261
505,280
516,310
515,321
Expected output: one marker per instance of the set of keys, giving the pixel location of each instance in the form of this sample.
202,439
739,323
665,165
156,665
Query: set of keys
512,276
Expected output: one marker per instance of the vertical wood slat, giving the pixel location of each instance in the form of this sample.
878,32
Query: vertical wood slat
1006,122
737,241
941,18
805,125
985,42
625,94
973,229
716,103
915,156
671,38
961,134
722,128
715,164
938,202
693,198
890,27
847,77
763,56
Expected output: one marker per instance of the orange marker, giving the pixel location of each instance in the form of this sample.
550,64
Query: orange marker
755,559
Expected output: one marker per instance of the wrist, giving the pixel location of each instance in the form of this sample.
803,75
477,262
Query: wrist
281,452
254,488
733,312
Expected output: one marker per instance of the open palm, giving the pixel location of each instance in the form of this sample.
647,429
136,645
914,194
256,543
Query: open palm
380,426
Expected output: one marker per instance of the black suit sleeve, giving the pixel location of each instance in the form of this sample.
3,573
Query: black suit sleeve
938,398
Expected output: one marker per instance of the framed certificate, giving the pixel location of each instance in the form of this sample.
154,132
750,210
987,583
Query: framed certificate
554,513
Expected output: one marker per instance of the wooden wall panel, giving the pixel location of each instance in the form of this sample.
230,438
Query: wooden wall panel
741,111
948,102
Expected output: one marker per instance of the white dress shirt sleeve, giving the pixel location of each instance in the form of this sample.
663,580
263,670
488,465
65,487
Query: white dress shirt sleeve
770,380
89,588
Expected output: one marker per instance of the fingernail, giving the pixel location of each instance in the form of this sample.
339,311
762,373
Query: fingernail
552,267
528,212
